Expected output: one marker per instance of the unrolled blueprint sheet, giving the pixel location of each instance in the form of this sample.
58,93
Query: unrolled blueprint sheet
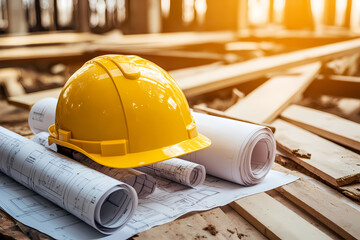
169,201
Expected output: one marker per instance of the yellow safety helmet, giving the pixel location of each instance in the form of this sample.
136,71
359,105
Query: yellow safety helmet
123,112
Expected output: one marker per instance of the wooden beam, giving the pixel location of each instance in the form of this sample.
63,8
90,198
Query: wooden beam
335,85
327,125
267,101
241,72
26,101
331,162
224,225
9,77
326,208
340,78
284,164
115,40
274,220
188,227
242,226
46,39
107,43
214,112
20,54
352,191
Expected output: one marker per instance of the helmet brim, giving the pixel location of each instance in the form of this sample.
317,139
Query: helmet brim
132,160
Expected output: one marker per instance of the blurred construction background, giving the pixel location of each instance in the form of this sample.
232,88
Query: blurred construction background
57,36
43,42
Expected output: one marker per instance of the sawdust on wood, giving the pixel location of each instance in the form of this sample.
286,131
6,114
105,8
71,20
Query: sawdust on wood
241,235
230,231
301,153
211,229
198,237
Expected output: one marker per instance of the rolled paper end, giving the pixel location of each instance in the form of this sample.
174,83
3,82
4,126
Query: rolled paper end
259,160
115,208
42,115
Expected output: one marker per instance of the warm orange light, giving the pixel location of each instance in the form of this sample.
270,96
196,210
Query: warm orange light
355,16
188,12
200,8
340,12
317,8
258,11
165,8
279,10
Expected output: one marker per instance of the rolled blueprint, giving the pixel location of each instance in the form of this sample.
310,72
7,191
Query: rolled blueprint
240,152
143,184
101,201
42,115
177,170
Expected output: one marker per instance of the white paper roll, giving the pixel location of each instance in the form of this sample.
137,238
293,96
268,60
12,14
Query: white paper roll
240,152
42,115
178,170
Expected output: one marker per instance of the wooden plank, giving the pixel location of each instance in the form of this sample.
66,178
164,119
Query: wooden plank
274,220
179,74
352,191
223,224
331,162
240,72
324,124
115,40
267,101
214,112
303,214
332,212
48,38
43,52
335,85
340,78
284,164
9,77
242,226
188,227
26,101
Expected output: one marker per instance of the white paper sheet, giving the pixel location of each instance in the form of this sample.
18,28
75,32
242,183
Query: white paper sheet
240,152
169,201
42,115
101,201
178,170
143,184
